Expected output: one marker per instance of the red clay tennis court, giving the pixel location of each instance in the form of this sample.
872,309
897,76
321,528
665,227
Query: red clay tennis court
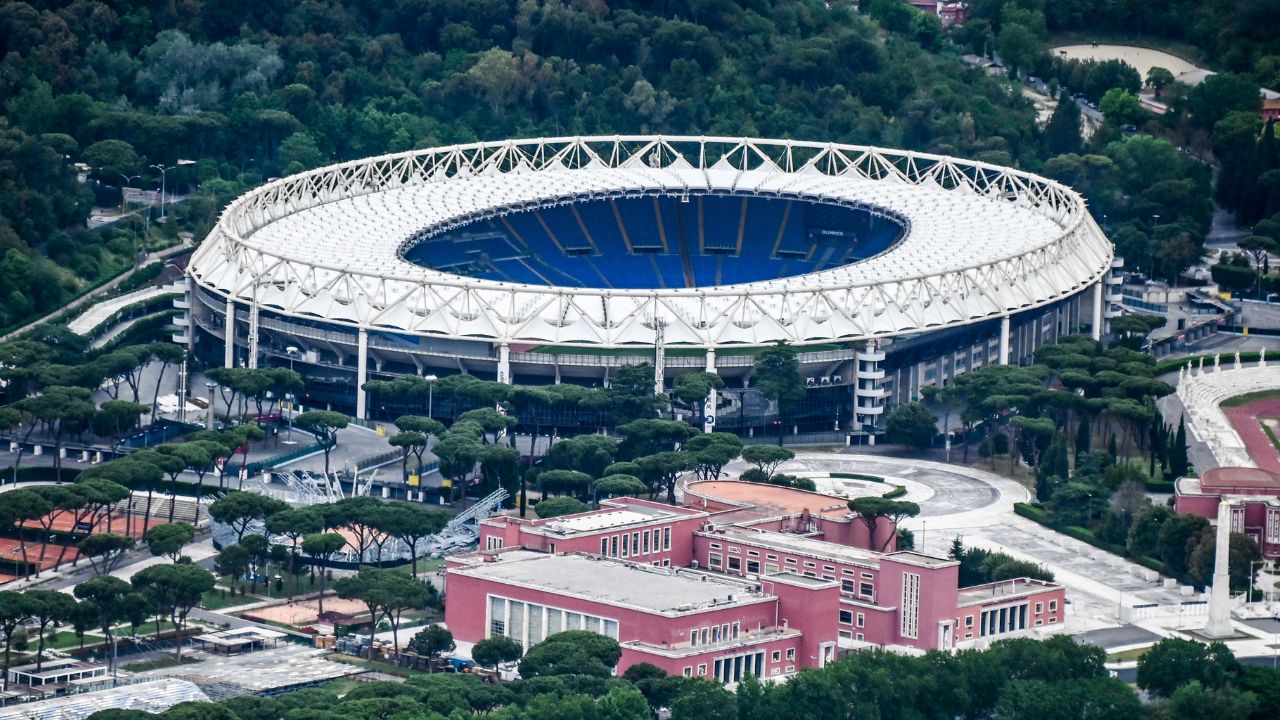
11,550
65,522
1247,420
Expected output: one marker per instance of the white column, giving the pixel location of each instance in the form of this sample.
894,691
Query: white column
1096,327
659,367
252,337
1219,624
504,364
709,408
229,357
362,373
1004,340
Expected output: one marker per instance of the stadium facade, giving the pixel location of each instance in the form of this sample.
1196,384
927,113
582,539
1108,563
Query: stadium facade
560,260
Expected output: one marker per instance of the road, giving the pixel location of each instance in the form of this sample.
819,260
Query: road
100,291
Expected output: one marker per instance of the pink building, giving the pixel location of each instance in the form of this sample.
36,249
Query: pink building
1253,493
752,579
950,13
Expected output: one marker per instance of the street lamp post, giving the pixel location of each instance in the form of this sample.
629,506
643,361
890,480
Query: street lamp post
163,190
127,179
1151,253
431,393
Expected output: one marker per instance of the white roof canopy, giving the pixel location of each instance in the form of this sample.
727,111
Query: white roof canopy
981,241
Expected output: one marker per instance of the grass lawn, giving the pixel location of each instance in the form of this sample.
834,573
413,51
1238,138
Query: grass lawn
214,600
1247,398
378,666
1127,655
66,640
159,663
426,566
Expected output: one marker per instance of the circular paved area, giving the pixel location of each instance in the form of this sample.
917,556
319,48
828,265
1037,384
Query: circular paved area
948,495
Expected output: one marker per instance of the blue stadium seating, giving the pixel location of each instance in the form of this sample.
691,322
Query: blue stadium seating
780,238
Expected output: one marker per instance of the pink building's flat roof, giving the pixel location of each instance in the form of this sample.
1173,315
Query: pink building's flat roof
781,500
669,591
1017,587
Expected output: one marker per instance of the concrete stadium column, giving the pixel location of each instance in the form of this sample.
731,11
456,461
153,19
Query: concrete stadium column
709,410
504,364
229,355
659,367
362,373
1004,340
1096,328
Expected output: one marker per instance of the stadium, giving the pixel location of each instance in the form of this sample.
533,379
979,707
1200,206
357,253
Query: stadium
561,260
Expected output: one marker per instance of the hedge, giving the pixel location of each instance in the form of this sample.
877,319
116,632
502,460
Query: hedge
1038,514
69,474
39,473
897,492
856,476
1172,364
1159,486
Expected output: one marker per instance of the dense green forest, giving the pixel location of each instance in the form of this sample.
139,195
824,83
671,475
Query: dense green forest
252,90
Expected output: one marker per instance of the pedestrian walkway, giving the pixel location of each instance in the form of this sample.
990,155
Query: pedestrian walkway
90,319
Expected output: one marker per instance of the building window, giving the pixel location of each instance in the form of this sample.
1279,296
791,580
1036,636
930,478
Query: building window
845,634
791,653
859,637
968,621
702,670
770,568
735,629
735,564
777,656
828,568
613,544
770,556
868,576
715,546
645,535
497,627
626,546
862,619
635,543
688,671
846,586
910,626
753,566
789,561
753,553
604,546
810,565
846,617
693,638
1039,608
493,542
713,560
867,590
666,538
1053,605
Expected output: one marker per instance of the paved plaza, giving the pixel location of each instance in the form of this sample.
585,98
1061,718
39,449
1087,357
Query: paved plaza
977,506
288,664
